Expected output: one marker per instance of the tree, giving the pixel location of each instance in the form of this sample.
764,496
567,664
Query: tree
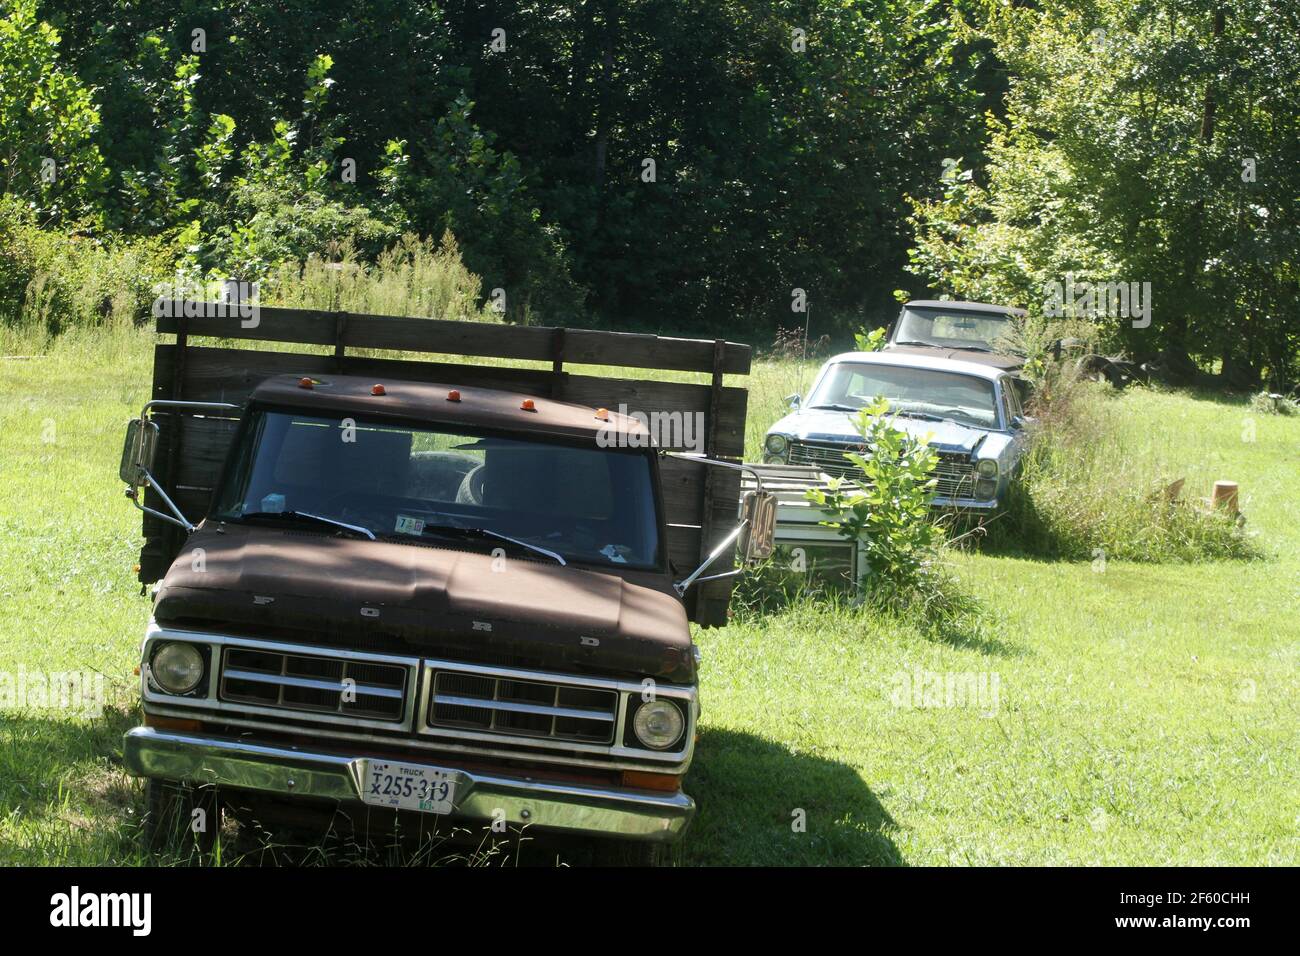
48,122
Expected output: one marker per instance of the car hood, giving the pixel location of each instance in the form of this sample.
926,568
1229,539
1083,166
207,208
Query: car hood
327,588
825,425
1003,362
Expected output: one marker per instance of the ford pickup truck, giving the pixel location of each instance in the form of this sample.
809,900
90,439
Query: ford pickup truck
410,601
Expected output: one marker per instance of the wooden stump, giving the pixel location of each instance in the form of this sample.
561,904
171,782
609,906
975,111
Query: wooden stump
1225,496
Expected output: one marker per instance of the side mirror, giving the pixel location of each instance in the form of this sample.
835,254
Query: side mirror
758,540
1018,422
794,401
138,451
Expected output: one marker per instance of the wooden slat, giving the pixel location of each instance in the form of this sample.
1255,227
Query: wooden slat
230,375
484,339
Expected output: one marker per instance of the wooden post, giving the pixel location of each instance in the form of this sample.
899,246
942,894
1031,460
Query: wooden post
340,329
1225,496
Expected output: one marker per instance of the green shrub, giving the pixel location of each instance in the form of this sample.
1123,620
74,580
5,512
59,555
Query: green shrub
56,280
887,510
414,276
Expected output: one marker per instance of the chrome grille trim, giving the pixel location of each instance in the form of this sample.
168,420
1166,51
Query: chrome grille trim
216,702
622,693
287,675
954,474
478,703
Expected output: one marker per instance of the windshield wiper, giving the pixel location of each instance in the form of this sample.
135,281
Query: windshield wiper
915,342
455,530
311,517
924,416
835,407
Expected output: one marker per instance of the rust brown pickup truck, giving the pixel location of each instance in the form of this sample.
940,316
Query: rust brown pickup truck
412,598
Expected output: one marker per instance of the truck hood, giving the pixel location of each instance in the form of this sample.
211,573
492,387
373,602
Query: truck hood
826,425
327,588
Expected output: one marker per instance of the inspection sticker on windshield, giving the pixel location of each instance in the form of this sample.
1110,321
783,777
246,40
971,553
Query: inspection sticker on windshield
408,525
404,787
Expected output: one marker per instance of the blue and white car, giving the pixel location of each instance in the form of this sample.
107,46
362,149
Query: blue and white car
970,412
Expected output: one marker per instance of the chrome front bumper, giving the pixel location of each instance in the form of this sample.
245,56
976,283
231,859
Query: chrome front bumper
291,771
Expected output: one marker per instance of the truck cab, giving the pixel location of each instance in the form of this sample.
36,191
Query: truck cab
417,600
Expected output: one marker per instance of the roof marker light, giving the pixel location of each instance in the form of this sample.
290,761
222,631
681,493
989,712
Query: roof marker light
453,395
304,383
527,405
377,390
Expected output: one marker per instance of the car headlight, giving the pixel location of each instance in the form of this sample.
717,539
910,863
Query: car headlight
988,468
658,724
177,668
776,443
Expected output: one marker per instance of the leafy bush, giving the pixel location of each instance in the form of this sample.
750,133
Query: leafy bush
887,511
414,276
1270,403
58,280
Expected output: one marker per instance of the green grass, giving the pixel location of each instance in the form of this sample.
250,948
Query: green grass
1146,714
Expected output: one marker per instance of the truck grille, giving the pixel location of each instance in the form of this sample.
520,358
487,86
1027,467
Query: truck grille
529,708
955,471
314,684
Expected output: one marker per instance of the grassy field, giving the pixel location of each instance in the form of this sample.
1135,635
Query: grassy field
1129,714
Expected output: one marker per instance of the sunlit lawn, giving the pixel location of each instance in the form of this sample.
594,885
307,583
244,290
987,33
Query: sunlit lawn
1144,714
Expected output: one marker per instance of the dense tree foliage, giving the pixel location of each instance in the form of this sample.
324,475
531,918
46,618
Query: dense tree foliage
683,166
1143,143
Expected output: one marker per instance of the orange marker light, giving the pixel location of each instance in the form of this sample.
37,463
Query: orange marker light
527,405
376,390
453,395
304,383
602,414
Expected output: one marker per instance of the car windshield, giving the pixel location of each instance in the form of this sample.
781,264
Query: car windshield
954,329
910,391
407,482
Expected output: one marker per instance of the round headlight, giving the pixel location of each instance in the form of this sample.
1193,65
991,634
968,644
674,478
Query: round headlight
177,668
776,443
988,468
658,724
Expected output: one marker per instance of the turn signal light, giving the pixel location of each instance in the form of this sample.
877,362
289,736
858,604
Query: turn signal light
527,405
377,390
602,414
453,395
642,780
171,723
304,383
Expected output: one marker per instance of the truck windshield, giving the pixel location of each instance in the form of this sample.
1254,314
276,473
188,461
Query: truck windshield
586,504
954,329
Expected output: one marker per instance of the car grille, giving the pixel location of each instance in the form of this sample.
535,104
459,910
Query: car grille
955,472
313,684
829,458
529,708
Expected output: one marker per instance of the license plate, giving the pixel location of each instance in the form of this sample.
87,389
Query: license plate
403,787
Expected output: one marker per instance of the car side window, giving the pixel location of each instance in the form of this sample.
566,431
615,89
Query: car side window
1010,402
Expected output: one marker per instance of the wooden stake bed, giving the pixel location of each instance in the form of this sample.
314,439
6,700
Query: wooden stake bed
701,502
